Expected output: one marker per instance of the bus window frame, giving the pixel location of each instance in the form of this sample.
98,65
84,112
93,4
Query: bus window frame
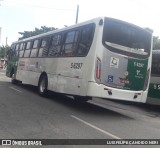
48,38
21,50
82,44
72,43
78,32
34,48
59,44
17,49
28,49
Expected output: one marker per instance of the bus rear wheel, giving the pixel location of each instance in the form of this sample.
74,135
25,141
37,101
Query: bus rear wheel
42,86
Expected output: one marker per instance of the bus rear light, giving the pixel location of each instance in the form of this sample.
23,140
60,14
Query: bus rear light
98,68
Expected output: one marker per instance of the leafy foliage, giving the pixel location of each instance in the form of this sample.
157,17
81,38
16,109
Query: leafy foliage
4,51
37,31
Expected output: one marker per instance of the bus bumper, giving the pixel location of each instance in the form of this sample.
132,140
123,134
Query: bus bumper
102,91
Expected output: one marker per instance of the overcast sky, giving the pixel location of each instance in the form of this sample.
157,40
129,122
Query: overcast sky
24,15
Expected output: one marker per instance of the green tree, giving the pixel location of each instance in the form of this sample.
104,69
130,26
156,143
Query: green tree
37,31
4,50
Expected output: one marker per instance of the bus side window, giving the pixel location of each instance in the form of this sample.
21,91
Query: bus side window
27,50
43,51
70,43
21,50
55,46
85,41
34,48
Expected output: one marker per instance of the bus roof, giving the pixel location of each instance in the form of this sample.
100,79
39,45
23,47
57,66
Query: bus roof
61,29
94,20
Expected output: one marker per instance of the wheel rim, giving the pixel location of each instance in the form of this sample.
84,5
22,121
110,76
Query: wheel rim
42,86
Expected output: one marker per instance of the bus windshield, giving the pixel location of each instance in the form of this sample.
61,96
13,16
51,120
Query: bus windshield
126,38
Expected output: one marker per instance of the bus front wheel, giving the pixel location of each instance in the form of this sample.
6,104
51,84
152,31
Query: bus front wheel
42,86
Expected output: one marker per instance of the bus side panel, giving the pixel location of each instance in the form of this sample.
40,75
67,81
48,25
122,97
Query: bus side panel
28,71
69,72
154,91
154,87
52,82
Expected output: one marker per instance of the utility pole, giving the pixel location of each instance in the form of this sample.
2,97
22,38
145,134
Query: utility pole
77,14
5,48
6,41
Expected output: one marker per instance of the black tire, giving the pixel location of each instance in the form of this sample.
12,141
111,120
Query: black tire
43,85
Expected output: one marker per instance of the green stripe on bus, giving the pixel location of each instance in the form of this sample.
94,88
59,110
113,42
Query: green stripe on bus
154,91
137,70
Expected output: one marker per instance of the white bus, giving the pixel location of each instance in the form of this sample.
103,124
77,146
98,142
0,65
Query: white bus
154,87
103,57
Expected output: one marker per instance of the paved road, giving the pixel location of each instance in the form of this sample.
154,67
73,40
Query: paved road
24,114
